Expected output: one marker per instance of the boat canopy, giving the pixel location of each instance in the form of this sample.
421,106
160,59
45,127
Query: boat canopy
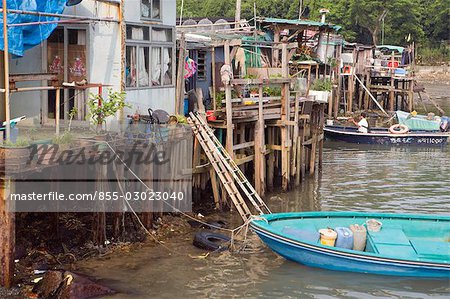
418,122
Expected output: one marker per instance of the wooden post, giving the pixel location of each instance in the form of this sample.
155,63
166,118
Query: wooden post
276,51
270,159
320,127
7,234
228,107
57,110
215,187
411,96
366,94
351,88
6,70
260,148
237,17
213,70
285,115
179,105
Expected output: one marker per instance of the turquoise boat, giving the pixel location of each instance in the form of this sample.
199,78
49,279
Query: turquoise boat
406,245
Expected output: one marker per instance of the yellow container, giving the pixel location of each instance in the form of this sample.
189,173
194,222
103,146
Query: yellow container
327,236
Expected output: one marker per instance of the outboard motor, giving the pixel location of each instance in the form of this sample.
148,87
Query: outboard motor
445,124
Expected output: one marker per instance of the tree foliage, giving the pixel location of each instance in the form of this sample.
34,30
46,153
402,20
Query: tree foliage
423,21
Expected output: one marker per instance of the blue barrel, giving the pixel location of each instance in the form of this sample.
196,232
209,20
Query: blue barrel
344,238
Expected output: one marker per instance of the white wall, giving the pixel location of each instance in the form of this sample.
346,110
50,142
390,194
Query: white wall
132,11
104,54
27,103
157,97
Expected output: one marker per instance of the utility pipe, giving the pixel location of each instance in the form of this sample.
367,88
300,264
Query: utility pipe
54,15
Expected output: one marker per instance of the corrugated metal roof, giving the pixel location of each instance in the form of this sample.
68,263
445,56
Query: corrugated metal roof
301,23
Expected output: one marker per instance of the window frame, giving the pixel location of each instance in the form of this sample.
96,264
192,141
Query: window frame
151,11
151,44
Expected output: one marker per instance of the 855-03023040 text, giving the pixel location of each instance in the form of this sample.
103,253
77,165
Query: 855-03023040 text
99,196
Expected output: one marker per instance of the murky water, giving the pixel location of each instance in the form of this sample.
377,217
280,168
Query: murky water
353,178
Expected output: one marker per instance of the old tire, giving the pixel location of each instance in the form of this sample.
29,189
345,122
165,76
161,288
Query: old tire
211,241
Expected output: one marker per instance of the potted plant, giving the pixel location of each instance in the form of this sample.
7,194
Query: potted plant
15,154
321,89
100,109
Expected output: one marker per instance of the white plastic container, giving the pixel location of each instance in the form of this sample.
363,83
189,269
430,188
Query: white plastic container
373,225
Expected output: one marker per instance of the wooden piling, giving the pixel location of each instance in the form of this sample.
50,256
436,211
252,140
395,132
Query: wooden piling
7,235
228,107
285,112
260,148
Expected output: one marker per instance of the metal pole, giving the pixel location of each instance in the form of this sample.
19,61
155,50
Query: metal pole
382,33
55,15
6,70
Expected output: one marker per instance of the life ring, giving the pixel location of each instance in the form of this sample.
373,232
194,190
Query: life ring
211,241
398,129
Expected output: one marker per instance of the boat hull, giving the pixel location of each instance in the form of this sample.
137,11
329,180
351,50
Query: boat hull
317,255
386,138
319,258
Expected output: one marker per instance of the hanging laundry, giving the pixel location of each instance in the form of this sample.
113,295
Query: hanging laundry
190,66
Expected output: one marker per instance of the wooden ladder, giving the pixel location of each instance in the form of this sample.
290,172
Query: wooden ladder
218,155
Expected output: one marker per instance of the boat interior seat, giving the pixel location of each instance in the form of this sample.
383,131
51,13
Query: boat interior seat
432,249
394,236
391,242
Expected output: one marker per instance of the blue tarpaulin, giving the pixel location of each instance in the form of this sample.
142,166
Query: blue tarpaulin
22,38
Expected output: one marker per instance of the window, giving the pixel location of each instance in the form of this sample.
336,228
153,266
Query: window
201,65
151,9
149,57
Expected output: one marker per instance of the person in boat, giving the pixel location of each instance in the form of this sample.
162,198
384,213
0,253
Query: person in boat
362,124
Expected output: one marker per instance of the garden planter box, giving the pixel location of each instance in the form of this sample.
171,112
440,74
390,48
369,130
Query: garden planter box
320,96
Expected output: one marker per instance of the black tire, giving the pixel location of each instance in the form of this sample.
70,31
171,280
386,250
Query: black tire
211,241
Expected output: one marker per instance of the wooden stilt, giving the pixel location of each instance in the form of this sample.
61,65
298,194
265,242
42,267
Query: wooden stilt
7,235
285,141
270,160
228,108
213,73
215,188
260,148
179,107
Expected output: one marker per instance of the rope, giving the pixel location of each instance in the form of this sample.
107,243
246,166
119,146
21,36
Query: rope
232,231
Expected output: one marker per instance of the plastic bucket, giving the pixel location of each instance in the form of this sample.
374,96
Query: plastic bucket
373,225
327,236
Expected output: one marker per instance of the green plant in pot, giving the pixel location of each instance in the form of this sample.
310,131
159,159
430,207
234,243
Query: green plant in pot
321,89
100,109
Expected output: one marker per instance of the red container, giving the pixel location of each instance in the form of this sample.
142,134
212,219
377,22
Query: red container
210,115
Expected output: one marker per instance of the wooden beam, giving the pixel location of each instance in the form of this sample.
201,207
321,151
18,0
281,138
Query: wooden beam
179,105
228,107
285,112
243,145
260,172
7,234
213,73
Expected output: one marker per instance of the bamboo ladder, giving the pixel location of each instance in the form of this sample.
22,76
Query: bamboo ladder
227,169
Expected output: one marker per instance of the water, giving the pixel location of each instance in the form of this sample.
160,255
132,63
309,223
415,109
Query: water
353,178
